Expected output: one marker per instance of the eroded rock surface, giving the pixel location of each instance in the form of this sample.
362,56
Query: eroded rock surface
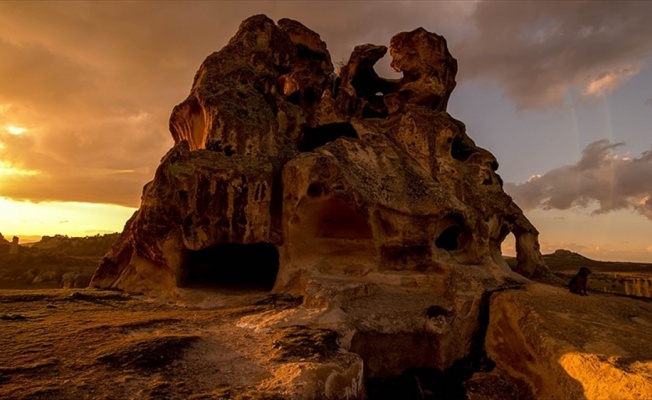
343,174
360,194
596,348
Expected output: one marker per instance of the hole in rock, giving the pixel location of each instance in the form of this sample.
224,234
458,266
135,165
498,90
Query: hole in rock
371,87
455,236
448,239
319,136
232,266
315,190
460,151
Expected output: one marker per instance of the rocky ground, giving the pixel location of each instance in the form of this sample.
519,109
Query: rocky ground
60,344
540,342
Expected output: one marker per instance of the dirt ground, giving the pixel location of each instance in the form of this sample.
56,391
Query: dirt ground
86,344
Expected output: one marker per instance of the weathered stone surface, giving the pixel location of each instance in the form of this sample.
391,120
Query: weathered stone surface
360,194
597,348
342,175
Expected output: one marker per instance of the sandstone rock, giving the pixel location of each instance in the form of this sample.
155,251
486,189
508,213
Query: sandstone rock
336,175
594,349
360,194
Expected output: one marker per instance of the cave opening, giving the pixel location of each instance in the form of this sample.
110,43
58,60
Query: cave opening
460,151
447,240
454,235
232,266
323,134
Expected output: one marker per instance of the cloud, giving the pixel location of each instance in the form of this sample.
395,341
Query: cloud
600,177
94,82
537,51
649,102
610,81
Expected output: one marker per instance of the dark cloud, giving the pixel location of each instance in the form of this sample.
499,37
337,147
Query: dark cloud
649,102
538,50
611,182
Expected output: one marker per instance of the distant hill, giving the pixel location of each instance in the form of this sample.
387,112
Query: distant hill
622,278
53,262
564,260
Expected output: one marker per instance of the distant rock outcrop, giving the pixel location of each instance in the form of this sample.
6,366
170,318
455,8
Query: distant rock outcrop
4,244
54,261
14,248
624,278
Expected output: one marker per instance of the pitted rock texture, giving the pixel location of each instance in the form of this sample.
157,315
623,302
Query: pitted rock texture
366,201
337,174
597,348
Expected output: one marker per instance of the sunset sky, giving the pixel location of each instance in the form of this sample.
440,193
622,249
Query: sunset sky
559,92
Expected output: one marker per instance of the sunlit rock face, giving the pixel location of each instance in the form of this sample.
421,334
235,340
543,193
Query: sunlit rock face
360,194
343,174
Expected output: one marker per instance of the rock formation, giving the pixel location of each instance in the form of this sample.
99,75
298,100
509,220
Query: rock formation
360,194
321,173
14,248
564,349
4,244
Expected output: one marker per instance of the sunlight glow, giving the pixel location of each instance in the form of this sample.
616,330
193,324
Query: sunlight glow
611,80
15,130
8,169
25,218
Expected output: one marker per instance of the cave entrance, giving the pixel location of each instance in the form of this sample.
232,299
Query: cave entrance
454,235
232,266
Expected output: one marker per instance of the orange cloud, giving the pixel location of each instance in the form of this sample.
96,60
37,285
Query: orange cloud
611,80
